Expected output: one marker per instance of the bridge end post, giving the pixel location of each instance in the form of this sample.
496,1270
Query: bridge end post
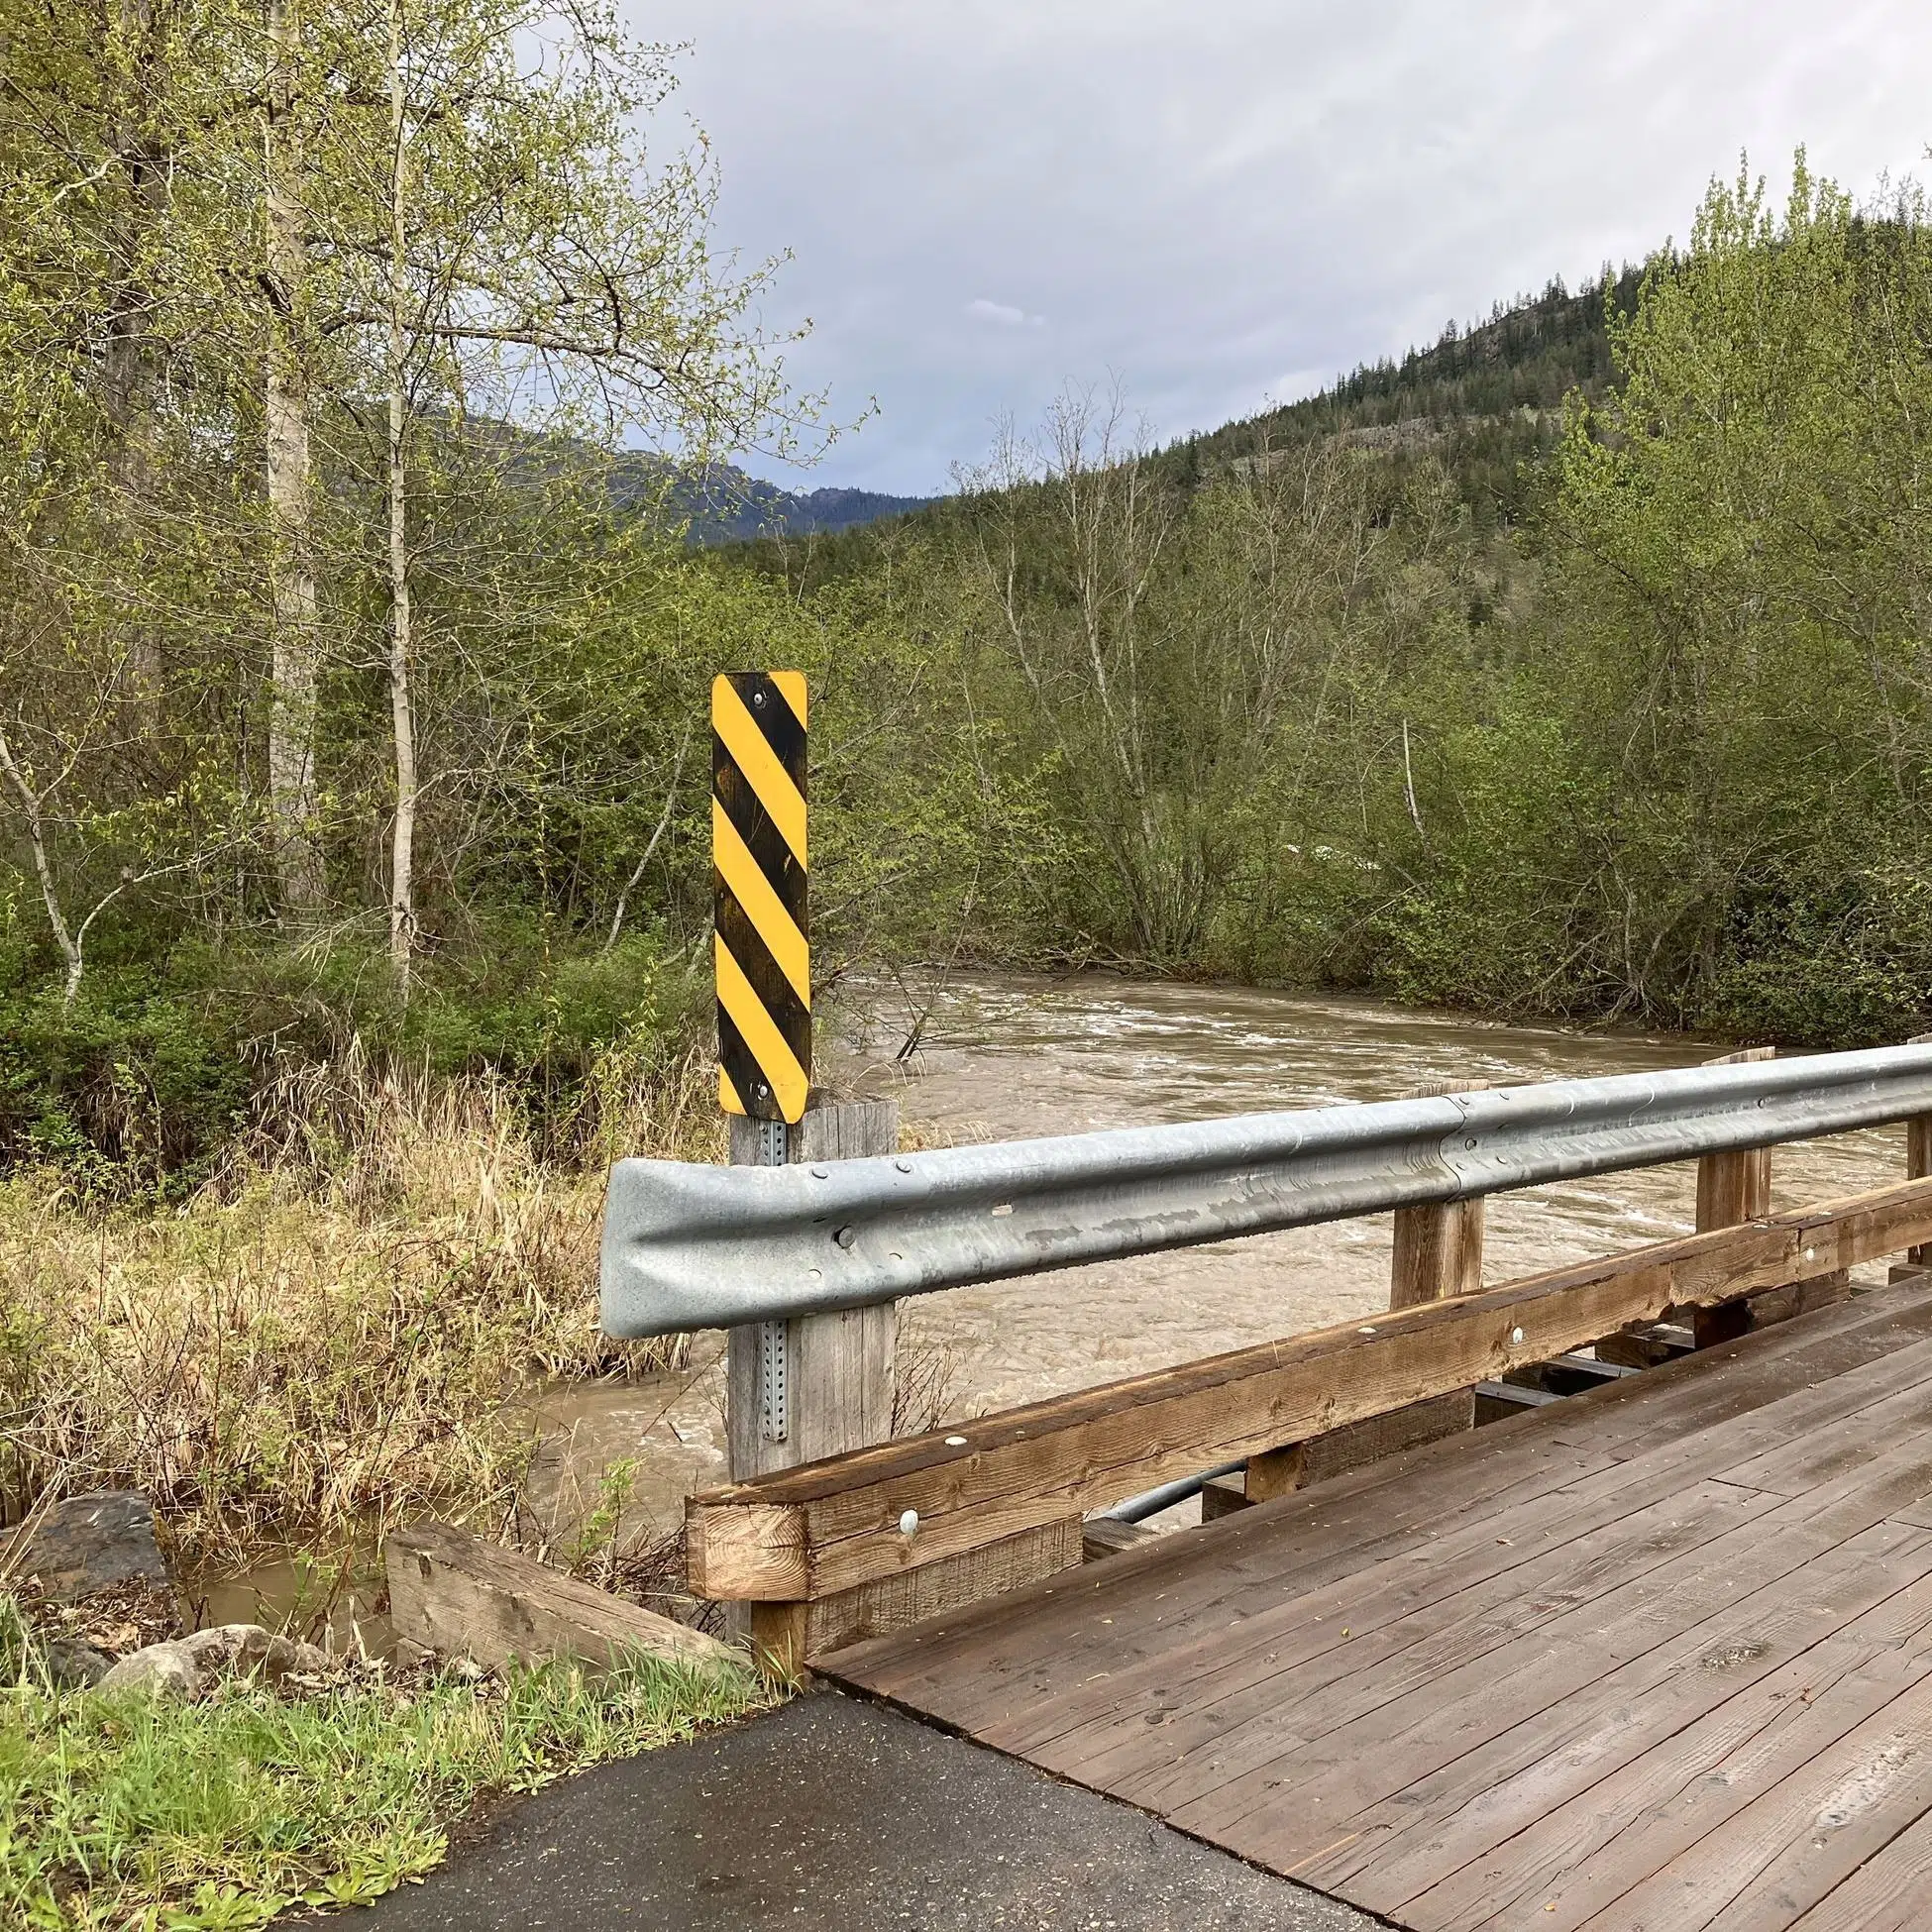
815,1385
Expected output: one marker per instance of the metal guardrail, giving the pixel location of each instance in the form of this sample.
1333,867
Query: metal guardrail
691,1247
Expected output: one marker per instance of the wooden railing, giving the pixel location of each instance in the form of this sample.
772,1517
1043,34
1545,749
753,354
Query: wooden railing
860,1543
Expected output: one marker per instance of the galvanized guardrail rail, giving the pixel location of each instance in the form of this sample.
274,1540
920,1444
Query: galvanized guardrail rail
689,1247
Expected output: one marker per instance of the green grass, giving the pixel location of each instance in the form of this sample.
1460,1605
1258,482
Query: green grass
128,1812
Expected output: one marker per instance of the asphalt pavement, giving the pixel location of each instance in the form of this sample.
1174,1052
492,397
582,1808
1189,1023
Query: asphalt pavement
832,1815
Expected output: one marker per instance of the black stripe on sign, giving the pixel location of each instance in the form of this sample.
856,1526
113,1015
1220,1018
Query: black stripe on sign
773,714
789,1014
737,1061
763,839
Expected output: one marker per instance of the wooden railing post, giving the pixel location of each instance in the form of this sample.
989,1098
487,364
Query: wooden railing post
1438,1255
818,1384
1735,1187
1918,1162
1731,1187
837,1369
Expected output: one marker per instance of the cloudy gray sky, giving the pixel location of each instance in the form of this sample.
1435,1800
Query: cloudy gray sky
1230,200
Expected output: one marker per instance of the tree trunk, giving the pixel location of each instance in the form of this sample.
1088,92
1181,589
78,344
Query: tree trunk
296,649
126,360
402,902
30,806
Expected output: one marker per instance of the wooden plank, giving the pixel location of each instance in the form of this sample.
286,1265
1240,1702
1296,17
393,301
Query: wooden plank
1033,1465
1770,1830
1312,1676
1770,1387
1887,1894
1501,1823
457,1596
1257,1794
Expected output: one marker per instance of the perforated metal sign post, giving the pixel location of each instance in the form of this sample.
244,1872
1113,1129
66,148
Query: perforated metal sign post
759,866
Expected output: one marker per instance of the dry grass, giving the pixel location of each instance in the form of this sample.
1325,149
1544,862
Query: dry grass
324,1341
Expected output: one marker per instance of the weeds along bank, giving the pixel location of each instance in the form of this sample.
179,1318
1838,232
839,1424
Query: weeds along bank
133,1811
331,1334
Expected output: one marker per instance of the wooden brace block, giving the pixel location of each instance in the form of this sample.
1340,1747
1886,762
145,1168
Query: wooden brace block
1750,1313
1350,1448
756,1553
1108,1536
452,1593
1222,1498
786,1637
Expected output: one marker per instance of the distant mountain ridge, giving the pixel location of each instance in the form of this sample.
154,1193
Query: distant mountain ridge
723,505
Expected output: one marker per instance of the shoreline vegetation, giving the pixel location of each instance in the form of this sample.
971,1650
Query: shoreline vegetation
317,1346
130,1810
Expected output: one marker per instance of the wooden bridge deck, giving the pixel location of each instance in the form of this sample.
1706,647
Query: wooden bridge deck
1658,1656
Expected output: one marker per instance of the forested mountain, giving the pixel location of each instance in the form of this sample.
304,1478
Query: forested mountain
1486,400
721,503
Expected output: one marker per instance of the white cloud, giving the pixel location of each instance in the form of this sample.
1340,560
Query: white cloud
1214,202
1003,313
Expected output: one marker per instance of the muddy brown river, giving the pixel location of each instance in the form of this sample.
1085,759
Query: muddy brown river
1003,1057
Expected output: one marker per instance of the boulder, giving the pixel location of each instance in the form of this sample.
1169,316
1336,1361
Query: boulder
85,1545
189,1667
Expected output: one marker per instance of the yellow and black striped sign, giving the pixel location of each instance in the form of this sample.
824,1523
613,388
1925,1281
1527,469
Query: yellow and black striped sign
757,856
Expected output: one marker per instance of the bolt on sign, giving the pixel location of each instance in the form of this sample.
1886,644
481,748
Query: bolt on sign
757,856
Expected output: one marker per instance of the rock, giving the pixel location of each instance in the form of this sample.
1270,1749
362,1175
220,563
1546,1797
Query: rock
85,1545
189,1667
166,1670
74,1665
